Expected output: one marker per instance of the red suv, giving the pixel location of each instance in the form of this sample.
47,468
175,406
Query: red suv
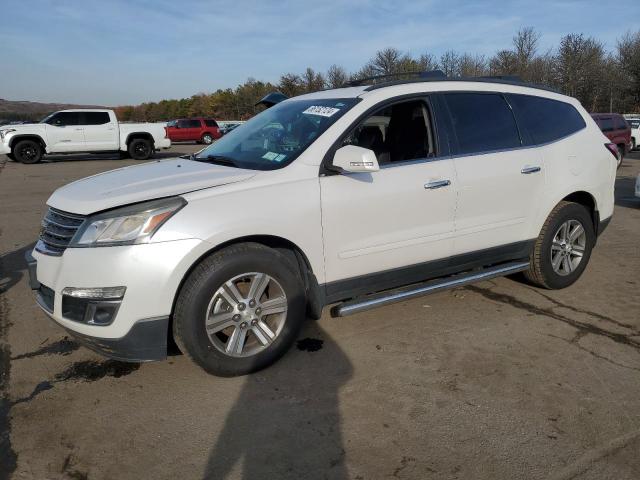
201,130
617,130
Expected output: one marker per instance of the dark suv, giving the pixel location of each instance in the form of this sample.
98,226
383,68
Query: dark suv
201,130
617,130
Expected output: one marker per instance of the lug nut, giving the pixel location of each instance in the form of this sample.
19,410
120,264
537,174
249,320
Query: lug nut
252,303
254,322
243,325
236,317
241,306
258,311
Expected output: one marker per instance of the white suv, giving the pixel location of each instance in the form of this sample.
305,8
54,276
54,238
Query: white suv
358,197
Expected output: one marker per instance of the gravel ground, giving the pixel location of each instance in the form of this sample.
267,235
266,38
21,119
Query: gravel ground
495,380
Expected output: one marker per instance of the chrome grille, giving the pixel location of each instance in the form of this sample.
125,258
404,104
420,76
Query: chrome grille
58,228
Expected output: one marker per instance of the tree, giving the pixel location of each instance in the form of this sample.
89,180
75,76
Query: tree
336,76
450,63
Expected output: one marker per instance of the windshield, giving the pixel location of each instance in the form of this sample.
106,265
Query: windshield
275,137
635,123
44,120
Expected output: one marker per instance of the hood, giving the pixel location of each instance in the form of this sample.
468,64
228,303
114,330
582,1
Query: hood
22,126
142,182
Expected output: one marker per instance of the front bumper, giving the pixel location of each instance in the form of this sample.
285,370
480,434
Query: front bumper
4,148
151,273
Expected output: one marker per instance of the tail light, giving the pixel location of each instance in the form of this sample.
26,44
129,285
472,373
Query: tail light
613,148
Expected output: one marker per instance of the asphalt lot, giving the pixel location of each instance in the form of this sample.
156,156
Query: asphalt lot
496,380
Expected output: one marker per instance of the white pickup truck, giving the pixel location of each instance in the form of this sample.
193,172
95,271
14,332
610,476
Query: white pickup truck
74,131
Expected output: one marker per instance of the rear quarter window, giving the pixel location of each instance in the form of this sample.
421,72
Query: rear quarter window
210,123
546,120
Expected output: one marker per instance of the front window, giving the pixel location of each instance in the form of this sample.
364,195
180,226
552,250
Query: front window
277,136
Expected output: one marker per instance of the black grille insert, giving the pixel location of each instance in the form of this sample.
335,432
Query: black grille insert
58,228
45,297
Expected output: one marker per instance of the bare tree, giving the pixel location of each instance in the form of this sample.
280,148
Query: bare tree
473,65
580,65
627,61
427,62
312,80
336,76
450,63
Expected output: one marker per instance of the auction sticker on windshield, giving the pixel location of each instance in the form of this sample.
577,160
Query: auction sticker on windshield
322,111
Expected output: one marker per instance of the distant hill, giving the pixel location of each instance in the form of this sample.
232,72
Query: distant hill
11,110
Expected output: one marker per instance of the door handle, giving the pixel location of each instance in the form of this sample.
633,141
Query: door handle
437,184
528,170
79,129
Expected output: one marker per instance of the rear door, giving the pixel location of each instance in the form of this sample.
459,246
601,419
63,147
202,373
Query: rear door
497,179
100,131
65,132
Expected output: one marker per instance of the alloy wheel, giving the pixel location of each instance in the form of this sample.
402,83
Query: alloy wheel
568,247
246,314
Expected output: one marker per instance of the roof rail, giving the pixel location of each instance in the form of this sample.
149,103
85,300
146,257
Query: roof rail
439,76
429,74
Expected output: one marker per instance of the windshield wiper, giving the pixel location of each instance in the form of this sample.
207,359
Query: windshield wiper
217,159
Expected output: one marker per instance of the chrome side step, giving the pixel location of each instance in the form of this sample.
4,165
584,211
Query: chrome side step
399,295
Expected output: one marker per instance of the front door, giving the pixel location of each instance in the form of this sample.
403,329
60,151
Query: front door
397,217
65,133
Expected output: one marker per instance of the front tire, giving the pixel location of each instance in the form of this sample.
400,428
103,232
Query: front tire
563,248
239,310
207,139
28,151
140,149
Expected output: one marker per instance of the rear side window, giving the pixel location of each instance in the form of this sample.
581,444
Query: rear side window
606,124
96,118
620,123
194,124
483,122
210,123
544,119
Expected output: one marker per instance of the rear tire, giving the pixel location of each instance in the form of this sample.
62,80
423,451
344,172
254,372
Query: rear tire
207,139
558,263
28,151
140,149
205,297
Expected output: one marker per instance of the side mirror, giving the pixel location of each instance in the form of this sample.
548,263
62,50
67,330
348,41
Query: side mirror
355,159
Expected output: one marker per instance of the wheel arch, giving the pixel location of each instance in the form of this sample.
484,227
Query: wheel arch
135,135
589,202
315,295
18,138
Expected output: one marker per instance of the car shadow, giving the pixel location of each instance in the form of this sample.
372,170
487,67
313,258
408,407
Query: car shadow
13,267
286,421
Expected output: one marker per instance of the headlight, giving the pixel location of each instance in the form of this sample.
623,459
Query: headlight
128,225
5,131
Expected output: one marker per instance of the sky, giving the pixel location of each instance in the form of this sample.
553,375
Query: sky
118,52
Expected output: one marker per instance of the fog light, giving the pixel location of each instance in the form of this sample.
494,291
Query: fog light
102,293
94,306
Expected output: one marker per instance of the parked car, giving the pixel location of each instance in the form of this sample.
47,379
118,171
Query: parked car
229,126
200,130
361,197
634,123
617,130
81,131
